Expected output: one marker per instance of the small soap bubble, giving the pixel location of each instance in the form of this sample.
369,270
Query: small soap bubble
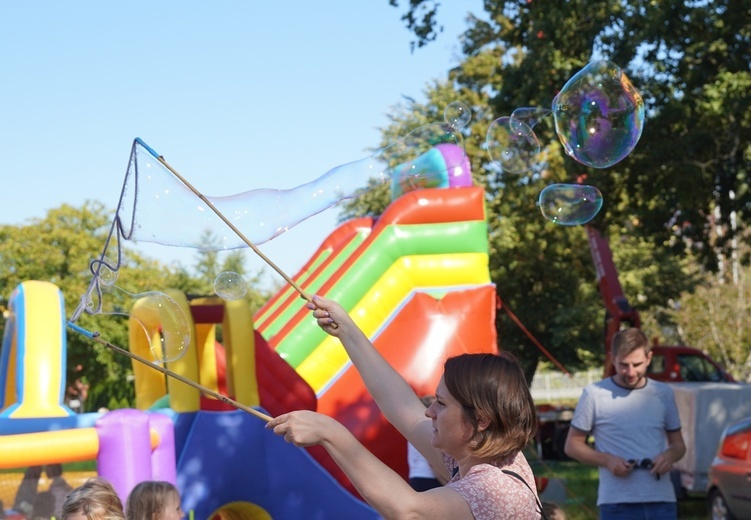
457,115
165,326
513,145
108,272
599,115
174,337
530,116
570,204
230,286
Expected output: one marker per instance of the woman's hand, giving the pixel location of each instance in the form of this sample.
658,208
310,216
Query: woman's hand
303,428
331,316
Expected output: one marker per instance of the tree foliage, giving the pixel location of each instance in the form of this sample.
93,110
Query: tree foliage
690,60
669,203
58,249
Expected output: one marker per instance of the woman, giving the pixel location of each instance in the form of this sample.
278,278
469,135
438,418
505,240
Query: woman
473,433
154,500
95,499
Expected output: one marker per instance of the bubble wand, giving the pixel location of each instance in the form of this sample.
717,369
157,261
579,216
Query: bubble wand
219,214
96,337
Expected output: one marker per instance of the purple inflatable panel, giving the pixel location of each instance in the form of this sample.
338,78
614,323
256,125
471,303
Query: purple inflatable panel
459,170
124,449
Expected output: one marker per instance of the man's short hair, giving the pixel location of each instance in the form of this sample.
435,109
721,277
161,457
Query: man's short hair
627,340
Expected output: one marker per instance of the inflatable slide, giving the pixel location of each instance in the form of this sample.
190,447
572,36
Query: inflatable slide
416,280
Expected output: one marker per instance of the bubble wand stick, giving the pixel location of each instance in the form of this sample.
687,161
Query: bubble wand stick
219,214
96,337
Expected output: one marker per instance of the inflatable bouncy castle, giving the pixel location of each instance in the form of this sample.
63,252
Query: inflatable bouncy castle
416,281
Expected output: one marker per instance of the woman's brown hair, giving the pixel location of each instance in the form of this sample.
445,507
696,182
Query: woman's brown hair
493,387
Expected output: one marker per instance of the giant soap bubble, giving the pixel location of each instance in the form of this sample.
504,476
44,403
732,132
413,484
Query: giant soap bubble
599,115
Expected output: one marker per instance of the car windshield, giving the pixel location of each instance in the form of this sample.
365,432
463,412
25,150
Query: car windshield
697,368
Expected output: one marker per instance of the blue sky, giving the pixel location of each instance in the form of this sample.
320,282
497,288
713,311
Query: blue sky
235,95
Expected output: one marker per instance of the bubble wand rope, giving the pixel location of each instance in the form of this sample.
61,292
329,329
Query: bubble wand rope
226,221
96,337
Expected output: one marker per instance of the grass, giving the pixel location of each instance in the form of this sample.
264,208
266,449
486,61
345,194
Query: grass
580,483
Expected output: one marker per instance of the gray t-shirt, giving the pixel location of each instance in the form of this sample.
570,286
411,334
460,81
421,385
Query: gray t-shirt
631,424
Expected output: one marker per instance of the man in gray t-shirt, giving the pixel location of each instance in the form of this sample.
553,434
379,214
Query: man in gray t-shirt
637,432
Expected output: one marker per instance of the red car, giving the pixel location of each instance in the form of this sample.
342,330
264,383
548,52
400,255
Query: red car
729,491
678,364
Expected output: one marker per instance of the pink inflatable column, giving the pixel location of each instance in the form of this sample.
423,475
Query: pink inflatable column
124,449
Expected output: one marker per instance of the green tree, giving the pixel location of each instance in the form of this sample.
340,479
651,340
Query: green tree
670,201
58,249
691,61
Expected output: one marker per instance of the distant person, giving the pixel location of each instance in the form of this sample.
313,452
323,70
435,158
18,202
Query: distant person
154,500
43,507
422,476
473,434
27,496
637,432
59,488
27,490
95,499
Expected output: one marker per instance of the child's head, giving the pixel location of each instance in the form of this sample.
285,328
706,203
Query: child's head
154,500
94,499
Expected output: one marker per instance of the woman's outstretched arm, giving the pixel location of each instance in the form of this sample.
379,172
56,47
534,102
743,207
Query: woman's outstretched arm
381,487
394,396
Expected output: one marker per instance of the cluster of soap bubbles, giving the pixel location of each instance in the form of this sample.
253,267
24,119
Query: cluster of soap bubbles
160,317
599,118
598,114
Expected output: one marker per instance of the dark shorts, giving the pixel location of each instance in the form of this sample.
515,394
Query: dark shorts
643,511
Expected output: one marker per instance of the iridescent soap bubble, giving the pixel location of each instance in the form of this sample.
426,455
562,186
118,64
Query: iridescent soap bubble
530,116
599,115
107,271
157,320
513,145
151,191
457,115
230,286
570,204
170,339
